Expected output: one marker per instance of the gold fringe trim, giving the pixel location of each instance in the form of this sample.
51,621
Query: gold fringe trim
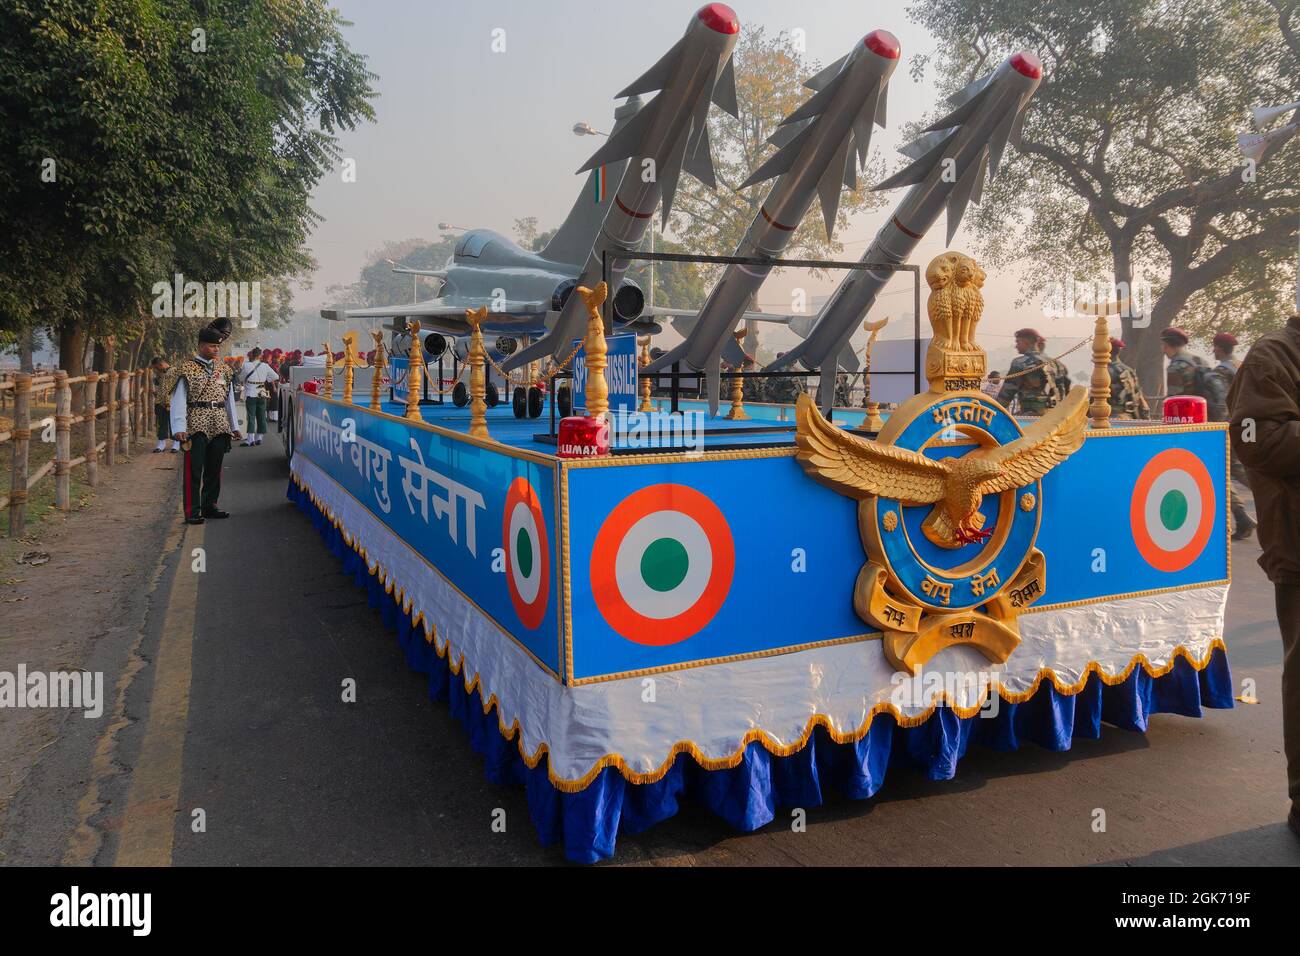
772,746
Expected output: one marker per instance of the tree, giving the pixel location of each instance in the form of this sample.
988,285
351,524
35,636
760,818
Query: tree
145,138
770,71
1129,165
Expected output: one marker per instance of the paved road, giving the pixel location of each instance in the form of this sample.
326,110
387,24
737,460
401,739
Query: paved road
236,712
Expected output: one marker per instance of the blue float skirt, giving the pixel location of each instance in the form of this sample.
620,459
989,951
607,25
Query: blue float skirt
587,821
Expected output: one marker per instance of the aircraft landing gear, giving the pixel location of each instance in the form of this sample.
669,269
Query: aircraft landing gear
460,395
527,402
564,401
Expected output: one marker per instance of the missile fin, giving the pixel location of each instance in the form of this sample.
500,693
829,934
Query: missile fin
724,91
880,107
780,161
655,78
821,78
850,169
669,174
918,170
732,353
848,359
829,186
786,134
998,144
862,123
624,143
1017,138
699,161
970,90
961,194
923,144
958,116
826,387
977,191
815,105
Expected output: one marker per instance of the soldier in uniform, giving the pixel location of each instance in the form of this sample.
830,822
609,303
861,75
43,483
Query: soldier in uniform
1060,374
160,369
203,421
784,390
1126,398
1224,372
1188,374
1030,378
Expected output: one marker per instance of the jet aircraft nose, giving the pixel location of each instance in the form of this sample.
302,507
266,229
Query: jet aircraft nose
719,18
883,43
1027,64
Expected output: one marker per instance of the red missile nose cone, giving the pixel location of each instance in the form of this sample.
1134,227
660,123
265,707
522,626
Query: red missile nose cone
719,18
883,43
1028,65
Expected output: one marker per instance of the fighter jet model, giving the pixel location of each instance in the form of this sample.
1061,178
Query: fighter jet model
822,145
948,169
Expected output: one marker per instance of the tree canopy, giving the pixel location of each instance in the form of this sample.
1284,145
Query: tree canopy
145,138
1130,167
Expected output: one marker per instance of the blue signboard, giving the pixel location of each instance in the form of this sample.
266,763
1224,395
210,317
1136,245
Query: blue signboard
482,518
697,560
620,374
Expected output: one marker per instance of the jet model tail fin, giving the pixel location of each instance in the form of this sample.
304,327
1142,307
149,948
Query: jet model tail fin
573,240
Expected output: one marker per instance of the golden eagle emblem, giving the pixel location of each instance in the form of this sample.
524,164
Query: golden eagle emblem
860,468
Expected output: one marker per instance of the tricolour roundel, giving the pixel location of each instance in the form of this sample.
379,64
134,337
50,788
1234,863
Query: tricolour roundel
1172,511
528,558
662,564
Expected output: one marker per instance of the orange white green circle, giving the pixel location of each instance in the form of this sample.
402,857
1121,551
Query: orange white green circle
662,564
1172,510
528,560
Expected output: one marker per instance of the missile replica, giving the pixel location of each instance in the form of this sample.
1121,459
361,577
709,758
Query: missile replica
822,144
668,135
949,164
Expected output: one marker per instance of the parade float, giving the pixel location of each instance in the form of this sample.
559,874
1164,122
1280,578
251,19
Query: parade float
777,615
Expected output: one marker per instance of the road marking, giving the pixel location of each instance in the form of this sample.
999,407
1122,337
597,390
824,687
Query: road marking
149,820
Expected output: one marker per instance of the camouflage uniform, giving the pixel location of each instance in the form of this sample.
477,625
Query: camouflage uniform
783,390
1036,390
1125,391
1182,379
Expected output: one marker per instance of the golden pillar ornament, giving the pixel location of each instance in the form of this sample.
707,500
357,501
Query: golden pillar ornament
379,365
645,405
1099,411
477,374
329,370
414,370
596,349
872,422
352,361
737,411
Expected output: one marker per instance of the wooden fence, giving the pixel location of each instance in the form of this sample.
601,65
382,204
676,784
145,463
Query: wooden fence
128,419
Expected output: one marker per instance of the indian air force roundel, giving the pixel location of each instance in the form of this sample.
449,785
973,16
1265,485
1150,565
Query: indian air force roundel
662,564
528,558
1172,511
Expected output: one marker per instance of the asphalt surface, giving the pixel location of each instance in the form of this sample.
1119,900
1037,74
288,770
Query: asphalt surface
253,666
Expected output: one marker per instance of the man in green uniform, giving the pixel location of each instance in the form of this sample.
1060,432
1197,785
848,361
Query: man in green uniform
160,369
783,390
1030,379
1060,374
1187,374
1126,399
203,421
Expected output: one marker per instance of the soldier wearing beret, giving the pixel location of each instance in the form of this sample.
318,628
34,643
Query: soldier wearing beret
1031,378
1126,398
203,421
1188,374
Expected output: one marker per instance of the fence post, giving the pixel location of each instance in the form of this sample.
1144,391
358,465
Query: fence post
22,433
110,435
62,441
124,409
91,402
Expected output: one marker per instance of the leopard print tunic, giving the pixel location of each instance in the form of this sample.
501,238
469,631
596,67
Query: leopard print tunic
204,386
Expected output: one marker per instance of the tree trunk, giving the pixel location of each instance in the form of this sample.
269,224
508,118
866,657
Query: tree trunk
26,346
72,358
103,365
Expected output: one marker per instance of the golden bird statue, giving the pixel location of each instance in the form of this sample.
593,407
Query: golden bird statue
860,468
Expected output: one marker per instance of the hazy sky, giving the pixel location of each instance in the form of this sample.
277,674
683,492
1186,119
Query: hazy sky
476,138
